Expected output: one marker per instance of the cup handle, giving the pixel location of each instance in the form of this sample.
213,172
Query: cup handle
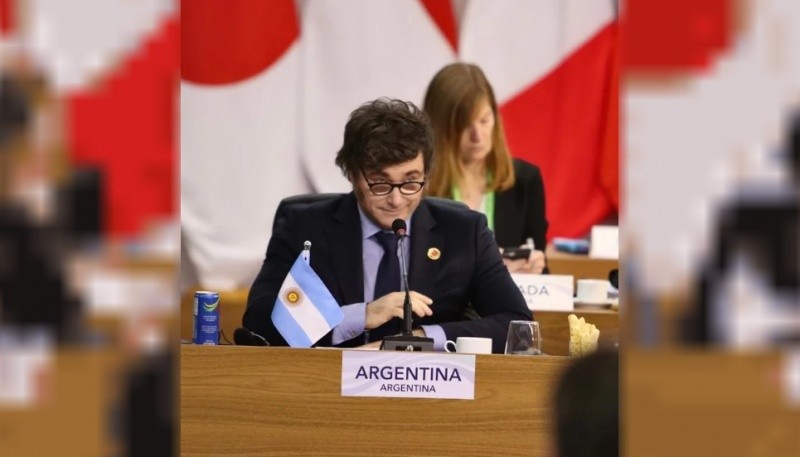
447,348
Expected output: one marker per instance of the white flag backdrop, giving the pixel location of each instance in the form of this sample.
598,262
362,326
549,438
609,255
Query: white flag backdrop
256,129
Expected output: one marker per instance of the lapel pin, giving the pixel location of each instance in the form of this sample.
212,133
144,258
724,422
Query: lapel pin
434,253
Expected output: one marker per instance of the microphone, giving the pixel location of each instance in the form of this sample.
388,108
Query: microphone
613,277
406,341
399,229
244,337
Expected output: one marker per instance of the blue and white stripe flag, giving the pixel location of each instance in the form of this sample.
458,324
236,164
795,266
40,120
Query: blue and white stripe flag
305,310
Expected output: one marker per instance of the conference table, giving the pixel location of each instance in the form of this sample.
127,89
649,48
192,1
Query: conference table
553,325
74,396
580,266
248,401
234,302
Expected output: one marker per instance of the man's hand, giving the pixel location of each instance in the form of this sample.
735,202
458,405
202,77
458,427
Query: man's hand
372,345
533,264
390,305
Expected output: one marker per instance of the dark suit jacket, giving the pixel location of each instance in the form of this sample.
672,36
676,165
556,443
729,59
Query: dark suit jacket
519,212
33,292
469,269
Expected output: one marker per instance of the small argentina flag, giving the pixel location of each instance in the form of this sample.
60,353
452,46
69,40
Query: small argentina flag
305,310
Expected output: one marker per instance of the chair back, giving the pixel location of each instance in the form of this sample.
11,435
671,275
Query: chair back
307,199
299,200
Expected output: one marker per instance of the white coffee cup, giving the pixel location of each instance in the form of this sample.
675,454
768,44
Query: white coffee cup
592,291
469,345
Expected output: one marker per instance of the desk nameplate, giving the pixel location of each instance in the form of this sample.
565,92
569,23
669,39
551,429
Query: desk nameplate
408,375
546,292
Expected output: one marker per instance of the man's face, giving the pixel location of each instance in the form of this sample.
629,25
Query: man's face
384,209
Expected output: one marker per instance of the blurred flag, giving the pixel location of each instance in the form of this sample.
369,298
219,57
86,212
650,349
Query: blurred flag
358,50
267,88
553,66
126,127
681,37
240,72
115,80
305,310
7,18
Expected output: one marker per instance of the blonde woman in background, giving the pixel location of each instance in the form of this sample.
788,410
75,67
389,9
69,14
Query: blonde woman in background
474,165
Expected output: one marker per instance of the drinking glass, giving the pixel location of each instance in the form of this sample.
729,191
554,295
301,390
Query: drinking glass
524,338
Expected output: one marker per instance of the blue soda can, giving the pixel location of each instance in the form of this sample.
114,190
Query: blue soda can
206,318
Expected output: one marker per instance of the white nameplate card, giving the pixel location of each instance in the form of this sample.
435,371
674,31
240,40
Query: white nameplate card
546,292
23,367
408,375
605,242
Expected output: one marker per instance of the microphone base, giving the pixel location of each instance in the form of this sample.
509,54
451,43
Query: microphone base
409,343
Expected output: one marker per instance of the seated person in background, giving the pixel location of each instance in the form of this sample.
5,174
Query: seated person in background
756,249
453,258
474,164
36,234
587,407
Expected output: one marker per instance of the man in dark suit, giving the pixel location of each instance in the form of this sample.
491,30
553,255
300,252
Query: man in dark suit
757,234
452,256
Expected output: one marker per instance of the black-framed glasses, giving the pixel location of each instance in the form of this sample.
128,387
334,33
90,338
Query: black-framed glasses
386,188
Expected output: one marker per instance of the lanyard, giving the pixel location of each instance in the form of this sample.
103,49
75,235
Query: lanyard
488,204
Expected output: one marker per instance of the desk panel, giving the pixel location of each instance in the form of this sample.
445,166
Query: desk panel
247,401
578,265
554,327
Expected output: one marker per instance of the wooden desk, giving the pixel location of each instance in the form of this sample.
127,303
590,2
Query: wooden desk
73,412
554,328
578,265
707,402
553,324
247,401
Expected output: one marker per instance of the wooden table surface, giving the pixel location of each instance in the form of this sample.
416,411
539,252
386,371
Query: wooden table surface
247,401
553,324
708,402
72,413
578,265
554,327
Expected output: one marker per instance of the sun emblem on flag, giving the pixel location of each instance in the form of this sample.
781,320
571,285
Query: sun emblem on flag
293,296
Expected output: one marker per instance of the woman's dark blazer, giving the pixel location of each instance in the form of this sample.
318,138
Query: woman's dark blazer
519,212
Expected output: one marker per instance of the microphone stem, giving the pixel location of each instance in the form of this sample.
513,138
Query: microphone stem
407,315
407,319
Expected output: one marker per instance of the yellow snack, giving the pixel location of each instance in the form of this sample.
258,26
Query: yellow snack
583,336
574,334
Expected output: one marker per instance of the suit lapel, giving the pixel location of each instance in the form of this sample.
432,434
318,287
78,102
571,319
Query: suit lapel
344,239
424,236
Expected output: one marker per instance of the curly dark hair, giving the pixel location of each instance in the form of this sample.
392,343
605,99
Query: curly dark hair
385,132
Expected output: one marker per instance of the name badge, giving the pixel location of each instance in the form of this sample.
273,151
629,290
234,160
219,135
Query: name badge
408,375
546,292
